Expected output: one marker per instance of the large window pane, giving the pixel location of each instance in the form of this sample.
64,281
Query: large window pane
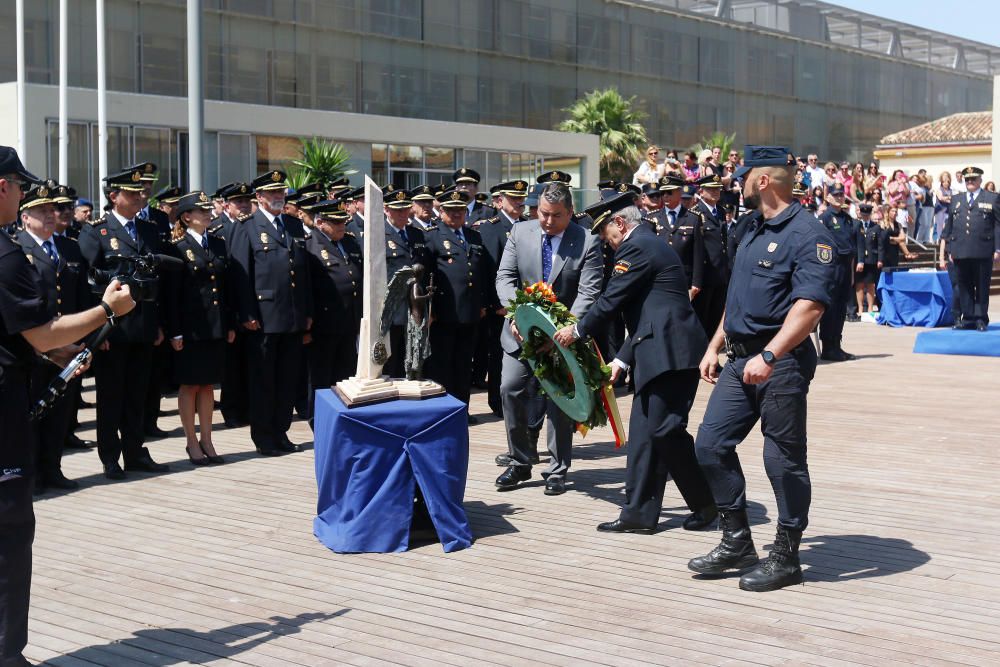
235,162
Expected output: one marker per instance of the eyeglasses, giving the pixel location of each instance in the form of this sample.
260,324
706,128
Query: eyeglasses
24,186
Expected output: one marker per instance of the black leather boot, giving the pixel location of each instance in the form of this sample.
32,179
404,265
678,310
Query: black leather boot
781,567
735,552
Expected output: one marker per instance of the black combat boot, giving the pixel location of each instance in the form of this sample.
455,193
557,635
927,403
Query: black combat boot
735,552
781,567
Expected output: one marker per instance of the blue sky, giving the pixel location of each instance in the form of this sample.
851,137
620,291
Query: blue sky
979,21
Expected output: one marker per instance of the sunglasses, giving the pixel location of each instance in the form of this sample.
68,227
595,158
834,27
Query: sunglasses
24,186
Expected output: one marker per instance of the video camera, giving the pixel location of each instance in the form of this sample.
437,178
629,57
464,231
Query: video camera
140,273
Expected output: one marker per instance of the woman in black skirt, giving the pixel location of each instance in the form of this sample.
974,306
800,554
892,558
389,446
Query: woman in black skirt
199,320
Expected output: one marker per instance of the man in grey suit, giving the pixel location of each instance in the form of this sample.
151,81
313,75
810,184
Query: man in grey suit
554,250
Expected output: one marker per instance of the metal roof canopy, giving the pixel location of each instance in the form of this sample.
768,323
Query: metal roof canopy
824,22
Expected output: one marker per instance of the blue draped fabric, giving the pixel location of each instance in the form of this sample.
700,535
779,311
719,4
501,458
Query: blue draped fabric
968,343
915,298
367,459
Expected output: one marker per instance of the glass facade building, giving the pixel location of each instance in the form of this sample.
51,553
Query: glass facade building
785,72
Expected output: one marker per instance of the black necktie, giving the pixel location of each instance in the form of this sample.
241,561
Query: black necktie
402,234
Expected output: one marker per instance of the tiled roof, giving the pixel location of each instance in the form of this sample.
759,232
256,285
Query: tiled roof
971,127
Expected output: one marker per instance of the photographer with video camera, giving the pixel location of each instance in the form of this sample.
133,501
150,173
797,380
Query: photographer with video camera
26,329
120,245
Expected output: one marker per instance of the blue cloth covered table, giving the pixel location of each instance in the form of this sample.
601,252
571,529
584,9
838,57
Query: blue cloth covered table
366,461
915,298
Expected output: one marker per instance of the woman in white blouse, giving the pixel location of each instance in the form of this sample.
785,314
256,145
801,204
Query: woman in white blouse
650,171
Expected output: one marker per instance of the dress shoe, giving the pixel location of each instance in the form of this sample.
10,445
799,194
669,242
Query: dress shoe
233,423
74,442
962,325
981,325
555,486
200,461
145,463
512,476
155,431
506,459
286,445
781,568
113,471
701,519
619,526
736,550
853,317
214,460
269,451
473,420
57,480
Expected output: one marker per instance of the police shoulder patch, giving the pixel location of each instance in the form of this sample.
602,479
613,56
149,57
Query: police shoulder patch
824,253
622,266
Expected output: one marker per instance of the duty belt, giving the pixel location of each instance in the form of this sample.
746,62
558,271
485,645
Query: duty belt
738,349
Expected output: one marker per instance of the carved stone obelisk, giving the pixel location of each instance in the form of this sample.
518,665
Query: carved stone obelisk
369,385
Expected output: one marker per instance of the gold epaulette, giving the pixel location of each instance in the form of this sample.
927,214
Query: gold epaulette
351,234
244,217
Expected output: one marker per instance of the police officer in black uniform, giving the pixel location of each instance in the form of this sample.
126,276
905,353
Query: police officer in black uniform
682,231
354,200
123,369
422,215
780,286
336,275
467,180
64,284
665,345
404,245
462,295
841,227
273,300
494,232
26,328
871,242
711,299
971,237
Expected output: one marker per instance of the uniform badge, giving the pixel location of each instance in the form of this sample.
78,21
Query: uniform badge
824,253
114,243
189,254
392,244
263,238
772,246
324,254
622,267
447,244
104,232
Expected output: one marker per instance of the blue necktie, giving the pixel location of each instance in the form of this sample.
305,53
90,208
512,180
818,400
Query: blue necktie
402,234
130,228
546,257
204,242
340,248
280,226
50,249
972,200
461,237
673,219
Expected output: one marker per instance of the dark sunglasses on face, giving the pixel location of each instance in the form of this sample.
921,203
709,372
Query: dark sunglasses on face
24,186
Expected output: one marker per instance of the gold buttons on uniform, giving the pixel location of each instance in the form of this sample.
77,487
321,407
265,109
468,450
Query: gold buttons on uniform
215,289
293,284
58,288
291,273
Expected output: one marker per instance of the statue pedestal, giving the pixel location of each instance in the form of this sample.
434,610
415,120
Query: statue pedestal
418,389
363,391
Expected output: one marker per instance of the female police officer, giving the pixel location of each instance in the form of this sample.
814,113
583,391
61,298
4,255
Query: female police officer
781,283
199,320
25,328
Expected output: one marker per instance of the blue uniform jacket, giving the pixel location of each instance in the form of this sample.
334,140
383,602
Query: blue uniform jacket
779,261
649,287
972,233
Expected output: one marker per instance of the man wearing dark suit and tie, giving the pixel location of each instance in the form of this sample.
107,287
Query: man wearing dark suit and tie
664,348
404,245
271,284
123,369
566,256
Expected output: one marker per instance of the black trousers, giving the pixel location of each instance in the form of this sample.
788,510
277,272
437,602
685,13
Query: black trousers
956,306
273,363
54,427
234,381
709,306
659,447
17,532
492,325
974,288
481,357
396,366
122,374
831,325
452,347
160,373
331,358
779,404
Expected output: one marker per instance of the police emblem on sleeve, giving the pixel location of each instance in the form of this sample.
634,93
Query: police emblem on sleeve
622,267
824,253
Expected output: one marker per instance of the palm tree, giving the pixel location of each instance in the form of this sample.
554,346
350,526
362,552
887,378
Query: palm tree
319,160
617,124
721,139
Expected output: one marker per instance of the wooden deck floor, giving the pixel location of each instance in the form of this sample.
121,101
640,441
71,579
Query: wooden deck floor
219,566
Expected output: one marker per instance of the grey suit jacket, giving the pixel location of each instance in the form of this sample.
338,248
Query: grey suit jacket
577,269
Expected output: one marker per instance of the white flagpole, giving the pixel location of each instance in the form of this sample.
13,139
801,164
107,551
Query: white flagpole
22,113
102,111
63,107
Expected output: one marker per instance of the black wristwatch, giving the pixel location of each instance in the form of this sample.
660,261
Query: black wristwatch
768,357
109,312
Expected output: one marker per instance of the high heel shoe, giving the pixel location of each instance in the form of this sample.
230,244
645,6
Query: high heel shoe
203,461
214,460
